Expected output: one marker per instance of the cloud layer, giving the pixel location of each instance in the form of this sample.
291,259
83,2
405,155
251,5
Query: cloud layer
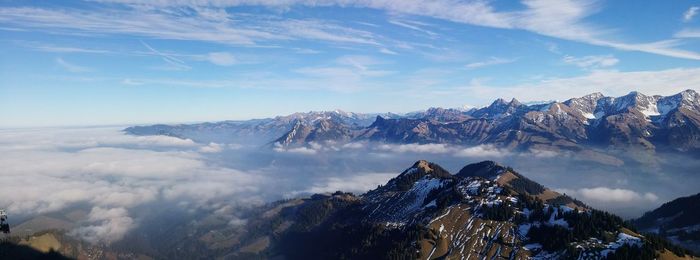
51,170
113,177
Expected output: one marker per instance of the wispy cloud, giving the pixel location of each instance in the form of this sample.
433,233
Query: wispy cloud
413,25
591,62
609,82
221,58
690,13
71,67
489,62
198,26
387,51
172,62
554,18
63,49
688,33
210,22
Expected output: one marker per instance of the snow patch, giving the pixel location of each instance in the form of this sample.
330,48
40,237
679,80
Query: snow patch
589,115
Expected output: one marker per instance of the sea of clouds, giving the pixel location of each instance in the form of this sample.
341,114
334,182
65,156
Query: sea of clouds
114,176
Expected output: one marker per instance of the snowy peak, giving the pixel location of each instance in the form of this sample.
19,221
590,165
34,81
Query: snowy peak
586,105
636,101
421,169
514,103
593,96
688,99
441,114
499,109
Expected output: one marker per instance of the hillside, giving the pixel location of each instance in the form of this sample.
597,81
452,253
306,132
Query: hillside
676,220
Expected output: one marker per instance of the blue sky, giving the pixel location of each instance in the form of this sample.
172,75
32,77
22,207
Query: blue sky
138,61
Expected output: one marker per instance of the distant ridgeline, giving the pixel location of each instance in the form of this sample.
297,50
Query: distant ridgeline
634,121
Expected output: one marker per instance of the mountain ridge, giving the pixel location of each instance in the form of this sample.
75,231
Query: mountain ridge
631,122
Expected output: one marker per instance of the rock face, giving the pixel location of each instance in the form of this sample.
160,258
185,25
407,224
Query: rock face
486,211
677,220
631,122
325,129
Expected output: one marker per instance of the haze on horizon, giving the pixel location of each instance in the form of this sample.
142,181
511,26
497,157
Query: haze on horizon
131,61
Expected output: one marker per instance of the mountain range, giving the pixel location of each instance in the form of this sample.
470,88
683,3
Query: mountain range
485,211
631,122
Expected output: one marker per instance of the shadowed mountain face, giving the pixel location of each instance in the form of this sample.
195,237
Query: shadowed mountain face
631,122
677,220
23,252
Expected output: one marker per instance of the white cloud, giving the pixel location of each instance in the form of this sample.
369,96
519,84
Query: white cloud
131,82
221,58
600,61
359,183
489,62
688,33
212,148
387,51
70,67
610,82
354,145
480,151
297,150
415,148
611,195
690,13
106,225
54,169
541,153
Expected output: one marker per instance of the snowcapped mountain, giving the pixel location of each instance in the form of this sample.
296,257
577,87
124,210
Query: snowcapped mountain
486,211
256,131
634,121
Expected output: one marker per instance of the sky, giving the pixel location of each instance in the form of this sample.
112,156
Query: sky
105,62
